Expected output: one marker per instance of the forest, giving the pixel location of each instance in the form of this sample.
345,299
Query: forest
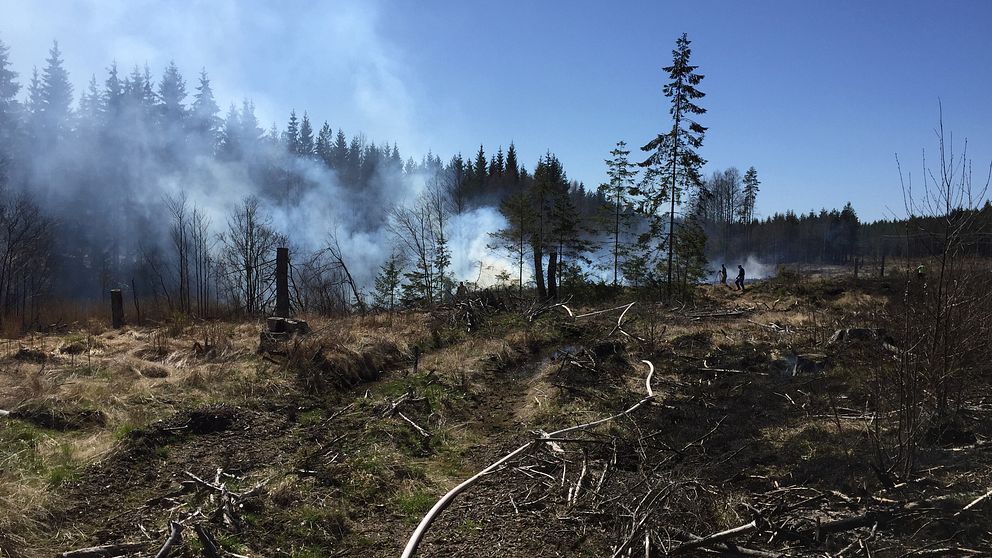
146,185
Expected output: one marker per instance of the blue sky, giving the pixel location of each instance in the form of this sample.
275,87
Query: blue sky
818,96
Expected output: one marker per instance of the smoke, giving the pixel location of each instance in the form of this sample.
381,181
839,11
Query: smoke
756,269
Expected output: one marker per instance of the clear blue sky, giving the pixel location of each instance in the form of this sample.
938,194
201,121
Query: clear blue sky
819,96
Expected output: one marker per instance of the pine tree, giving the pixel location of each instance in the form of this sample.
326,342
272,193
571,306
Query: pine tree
325,144
9,111
8,89
171,95
250,133
306,147
291,137
387,282
230,140
618,191
56,97
113,93
673,159
339,153
479,171
203,118
751,184
512,168
90,110
513,239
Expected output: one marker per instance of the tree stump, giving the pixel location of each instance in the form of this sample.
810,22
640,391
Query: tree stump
116,308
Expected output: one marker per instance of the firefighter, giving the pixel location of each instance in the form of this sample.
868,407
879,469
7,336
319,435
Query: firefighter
723,274
740,278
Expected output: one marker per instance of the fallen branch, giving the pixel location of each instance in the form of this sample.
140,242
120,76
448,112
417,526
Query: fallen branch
175,536
416,426
103,551
446,500
716,538
210,548
974,503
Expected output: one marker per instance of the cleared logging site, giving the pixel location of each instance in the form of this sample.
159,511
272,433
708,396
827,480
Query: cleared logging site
222,338
764,424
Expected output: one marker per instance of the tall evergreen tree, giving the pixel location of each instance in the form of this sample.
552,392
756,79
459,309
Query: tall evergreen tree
306,146
9,111
479,170
56,97
203,118
172,95
291,137
339,152
229,147
113,93
618,192
512,167
673,154
325,144
751,184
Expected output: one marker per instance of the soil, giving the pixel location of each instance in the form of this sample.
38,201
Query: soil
321,462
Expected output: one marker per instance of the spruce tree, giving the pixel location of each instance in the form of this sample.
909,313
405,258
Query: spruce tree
172,95
203,118
512,167
479,171
306,146
113,93
8,89
513,239
9,111
387,282
56,97
339,152
673,159
325,144
618,192
229,147
291,137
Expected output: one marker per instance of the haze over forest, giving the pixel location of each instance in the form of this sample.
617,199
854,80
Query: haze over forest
128,166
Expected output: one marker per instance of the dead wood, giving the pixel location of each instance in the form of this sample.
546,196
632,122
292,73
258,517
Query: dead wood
716,538
210,547
974,503
416,426
446,500
176,535
104,551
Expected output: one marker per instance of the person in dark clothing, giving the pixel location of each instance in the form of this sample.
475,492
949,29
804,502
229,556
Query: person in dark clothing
740,277
723,274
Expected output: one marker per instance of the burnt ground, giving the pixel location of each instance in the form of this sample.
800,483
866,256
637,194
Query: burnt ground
276,455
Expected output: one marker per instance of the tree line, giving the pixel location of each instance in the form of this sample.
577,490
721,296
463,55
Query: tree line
96,193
